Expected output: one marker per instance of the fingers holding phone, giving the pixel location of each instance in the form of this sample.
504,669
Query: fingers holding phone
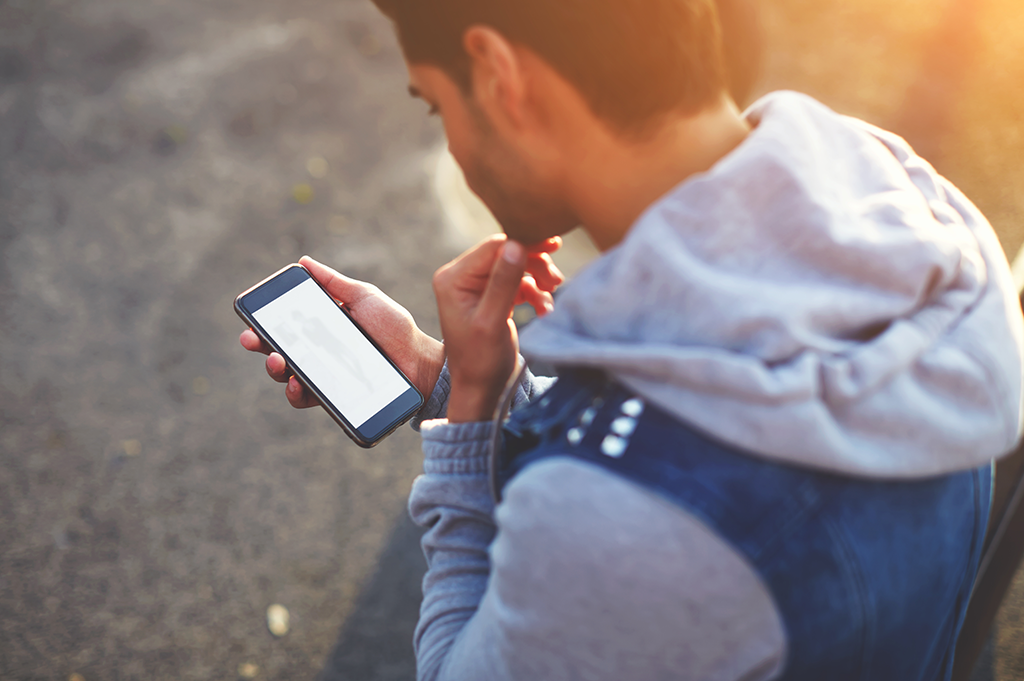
277,369
416,354
335,362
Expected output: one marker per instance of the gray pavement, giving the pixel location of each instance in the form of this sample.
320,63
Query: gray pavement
156,493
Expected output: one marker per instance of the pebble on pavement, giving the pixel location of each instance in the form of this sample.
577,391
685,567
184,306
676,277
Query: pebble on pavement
248,670
302,194
317,167
277,620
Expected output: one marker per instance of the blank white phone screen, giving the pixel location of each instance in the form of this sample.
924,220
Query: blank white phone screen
332,352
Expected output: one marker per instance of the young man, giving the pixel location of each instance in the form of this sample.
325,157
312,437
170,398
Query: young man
767,455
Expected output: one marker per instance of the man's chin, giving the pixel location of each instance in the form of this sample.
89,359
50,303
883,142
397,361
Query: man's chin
532,234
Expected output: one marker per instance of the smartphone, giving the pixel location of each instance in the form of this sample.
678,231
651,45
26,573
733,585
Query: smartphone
357,384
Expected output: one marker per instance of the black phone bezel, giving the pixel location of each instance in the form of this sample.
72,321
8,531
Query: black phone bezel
381,424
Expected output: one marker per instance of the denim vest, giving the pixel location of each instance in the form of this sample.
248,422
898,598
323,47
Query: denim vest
871,578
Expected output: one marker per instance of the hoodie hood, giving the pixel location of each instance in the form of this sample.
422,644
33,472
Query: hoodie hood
820,297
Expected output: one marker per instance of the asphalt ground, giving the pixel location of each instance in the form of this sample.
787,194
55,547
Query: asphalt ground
157,495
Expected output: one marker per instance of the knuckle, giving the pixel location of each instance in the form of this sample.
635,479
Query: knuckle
441,277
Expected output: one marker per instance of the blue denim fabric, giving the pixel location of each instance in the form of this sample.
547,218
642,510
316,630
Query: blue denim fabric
871,578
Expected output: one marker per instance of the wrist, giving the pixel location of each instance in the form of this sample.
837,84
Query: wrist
468,403
432,360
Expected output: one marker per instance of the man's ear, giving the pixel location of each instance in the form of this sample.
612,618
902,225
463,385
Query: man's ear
497,72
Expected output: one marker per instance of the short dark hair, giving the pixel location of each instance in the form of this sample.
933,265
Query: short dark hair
631,60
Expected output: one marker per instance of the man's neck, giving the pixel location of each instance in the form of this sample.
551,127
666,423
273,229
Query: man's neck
614,180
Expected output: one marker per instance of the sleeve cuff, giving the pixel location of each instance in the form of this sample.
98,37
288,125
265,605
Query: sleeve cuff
456,448
436,406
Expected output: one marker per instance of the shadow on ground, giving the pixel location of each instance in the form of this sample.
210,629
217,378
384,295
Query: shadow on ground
376,640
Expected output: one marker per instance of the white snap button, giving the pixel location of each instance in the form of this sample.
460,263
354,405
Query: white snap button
632,407
613,446
623,426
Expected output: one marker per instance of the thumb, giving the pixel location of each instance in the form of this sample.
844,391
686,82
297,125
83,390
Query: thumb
338,285
506,274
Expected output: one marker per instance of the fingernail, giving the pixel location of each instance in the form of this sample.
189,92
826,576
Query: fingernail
513,252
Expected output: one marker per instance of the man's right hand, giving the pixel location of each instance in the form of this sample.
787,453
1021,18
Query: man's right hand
476,293
419,356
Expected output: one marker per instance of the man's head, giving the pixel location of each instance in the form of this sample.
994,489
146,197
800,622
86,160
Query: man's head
536,94
632,61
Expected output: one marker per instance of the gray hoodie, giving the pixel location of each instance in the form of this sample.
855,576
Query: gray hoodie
820,297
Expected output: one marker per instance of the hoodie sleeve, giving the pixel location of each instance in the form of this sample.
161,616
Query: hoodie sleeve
577,574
